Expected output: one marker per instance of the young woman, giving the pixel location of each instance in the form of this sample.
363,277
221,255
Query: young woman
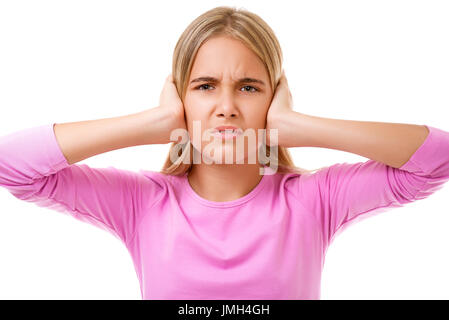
214,229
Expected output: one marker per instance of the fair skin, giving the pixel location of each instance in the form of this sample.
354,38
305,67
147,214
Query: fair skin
228,101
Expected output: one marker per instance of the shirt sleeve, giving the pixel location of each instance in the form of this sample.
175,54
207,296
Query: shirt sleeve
34,169
343,193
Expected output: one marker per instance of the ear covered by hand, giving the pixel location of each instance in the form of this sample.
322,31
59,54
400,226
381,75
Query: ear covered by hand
172,108
281,107
169,98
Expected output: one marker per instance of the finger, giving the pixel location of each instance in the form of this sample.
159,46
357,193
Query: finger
285,76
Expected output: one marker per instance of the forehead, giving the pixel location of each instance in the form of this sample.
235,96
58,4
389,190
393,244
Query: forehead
227,57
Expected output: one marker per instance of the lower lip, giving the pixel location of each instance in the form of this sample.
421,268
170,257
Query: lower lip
226,135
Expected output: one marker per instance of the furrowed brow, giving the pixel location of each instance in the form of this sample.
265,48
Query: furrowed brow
251,80
204,79
215,80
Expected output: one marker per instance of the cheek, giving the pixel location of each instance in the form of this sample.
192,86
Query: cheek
195,107
195,115
257,116
258,120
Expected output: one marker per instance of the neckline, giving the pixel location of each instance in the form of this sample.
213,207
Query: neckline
225,204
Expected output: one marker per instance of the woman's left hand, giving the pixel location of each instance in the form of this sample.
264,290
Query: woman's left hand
281,108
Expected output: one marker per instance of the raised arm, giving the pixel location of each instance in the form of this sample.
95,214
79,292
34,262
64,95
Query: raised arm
390,143
38,165
84,139
407,163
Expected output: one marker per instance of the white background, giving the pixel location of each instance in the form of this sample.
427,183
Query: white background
63,61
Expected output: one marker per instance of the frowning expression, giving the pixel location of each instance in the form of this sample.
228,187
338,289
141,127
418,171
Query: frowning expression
228,85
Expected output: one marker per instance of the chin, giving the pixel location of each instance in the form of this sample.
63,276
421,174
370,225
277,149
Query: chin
228,154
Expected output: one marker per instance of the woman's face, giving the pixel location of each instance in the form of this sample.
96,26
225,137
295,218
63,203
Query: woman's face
226,98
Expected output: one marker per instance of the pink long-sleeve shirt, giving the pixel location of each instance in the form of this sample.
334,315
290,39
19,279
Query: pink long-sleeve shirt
269,244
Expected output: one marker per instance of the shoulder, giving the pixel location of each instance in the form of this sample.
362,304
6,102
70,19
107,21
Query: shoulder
156,177
163,181
305,184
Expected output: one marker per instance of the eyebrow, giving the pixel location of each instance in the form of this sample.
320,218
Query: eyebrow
242,80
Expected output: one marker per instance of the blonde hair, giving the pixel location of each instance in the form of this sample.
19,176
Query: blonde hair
252,31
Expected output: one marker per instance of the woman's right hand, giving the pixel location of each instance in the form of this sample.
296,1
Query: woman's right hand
170,104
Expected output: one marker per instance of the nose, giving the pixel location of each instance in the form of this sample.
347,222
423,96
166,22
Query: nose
226,105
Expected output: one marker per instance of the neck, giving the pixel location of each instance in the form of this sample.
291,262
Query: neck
223,182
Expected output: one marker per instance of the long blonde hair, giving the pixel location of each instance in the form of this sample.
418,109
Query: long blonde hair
252,31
